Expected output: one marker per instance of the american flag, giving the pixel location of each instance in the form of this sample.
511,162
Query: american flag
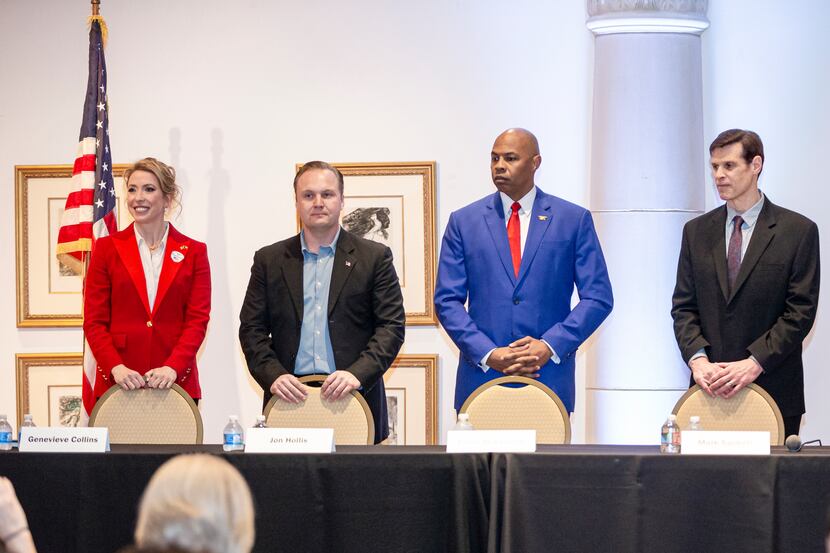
90,213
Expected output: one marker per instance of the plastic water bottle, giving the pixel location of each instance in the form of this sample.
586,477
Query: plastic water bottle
5,434
233,435
670,436
260,422
27,421
463,422
694,423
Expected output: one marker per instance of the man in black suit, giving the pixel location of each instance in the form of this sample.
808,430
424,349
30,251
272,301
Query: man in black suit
747,285
323,302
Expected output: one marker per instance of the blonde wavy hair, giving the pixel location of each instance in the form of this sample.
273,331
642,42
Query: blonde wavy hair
164,173
196,503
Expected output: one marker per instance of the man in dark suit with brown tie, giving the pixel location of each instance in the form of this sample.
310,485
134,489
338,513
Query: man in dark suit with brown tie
747,285
323,302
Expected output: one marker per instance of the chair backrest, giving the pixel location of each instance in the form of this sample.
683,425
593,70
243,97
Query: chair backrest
350,417
751,408
519,403
148,416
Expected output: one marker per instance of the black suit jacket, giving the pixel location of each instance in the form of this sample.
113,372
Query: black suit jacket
365,312
772,307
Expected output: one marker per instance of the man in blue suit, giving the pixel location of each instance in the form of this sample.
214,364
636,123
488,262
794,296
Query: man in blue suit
514,257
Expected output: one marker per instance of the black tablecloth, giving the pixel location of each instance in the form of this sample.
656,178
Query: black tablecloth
359,499
420,499
632,499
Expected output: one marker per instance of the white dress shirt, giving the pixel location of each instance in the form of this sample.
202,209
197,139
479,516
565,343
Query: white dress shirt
151,262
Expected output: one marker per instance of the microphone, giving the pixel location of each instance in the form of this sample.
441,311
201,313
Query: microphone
794,443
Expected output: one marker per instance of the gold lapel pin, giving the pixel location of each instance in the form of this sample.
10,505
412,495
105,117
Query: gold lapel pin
183,247
542,217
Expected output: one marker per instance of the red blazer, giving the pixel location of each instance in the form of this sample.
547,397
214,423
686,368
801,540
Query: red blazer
119,324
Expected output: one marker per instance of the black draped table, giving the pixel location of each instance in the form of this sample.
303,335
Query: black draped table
359,499
420,499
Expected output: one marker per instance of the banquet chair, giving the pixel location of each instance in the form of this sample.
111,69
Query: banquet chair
350,417
148,416
519,403
752,408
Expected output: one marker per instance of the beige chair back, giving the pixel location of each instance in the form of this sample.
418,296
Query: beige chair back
350,417
148,416
751,408
532,406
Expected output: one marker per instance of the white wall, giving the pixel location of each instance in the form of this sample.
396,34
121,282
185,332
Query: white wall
234,94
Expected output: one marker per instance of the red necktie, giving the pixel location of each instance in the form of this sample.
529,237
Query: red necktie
514,237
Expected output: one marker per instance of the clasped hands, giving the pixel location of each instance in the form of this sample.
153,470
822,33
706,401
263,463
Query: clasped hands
524,357
337,385
724,379
160,377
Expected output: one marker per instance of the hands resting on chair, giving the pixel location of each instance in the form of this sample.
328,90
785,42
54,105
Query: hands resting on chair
160,377
724,379
337,385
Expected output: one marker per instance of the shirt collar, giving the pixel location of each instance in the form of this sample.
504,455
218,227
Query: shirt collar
526,202
162,243
750,216
331,246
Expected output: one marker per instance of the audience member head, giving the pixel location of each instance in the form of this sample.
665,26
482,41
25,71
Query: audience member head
14,528
196,503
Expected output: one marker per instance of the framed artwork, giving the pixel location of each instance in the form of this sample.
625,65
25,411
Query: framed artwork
394,204
411,383
49,387
48,293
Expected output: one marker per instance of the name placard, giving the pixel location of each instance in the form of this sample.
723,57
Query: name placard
289,440
491,441
722,442
64,440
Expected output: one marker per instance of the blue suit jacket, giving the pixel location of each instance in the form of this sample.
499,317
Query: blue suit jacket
561,250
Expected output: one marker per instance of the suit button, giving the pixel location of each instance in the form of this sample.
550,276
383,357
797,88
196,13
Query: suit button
516,301
149,324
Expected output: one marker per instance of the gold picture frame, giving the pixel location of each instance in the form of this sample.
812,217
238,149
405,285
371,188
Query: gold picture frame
412,401
394,204
48,295
49,387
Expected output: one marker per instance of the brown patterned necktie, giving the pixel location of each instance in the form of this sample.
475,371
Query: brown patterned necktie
733,256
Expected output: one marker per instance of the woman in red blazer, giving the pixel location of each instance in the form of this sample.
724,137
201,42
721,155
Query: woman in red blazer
147,295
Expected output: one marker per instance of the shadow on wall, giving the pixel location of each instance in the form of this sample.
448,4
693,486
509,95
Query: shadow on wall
222,389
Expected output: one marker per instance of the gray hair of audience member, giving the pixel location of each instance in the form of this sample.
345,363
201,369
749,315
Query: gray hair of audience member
196,503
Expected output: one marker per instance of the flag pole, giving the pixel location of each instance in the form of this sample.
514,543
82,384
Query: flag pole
95,5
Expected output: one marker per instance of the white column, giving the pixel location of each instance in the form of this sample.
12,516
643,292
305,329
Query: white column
647,167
